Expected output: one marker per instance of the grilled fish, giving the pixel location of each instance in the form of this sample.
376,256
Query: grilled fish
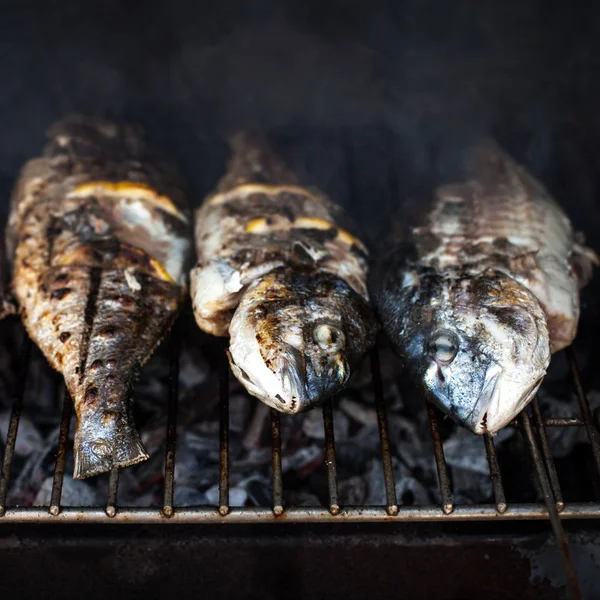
99,240
280,273
480,291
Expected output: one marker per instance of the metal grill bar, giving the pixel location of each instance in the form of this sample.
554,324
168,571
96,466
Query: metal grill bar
592,432
277,471
309,514
386,455
440,461
330,459
223,435
113,490
169,489
547,455
61,455
495,475
539,450
13,426
550,500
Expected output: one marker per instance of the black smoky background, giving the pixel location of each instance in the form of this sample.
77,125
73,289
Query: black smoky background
371,101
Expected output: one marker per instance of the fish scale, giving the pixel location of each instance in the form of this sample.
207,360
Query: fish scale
280,272
477,294
87,273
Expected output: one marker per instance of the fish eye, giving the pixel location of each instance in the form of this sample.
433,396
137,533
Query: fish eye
329,338
444,346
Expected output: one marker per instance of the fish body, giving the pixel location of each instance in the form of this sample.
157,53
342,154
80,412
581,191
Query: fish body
479,293
279,271
99,241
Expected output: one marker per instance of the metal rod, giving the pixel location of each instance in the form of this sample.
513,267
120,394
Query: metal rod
13,426
330,459
169,489
61,454
550,501
563,422
495,475
386,455
113,489
223,435
440,461
277,472
586,413
547,455
300,514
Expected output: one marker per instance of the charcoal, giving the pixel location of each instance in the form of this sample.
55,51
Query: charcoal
470,487
376,485
406,440
257,426
29,438
193,370
466,451
352,456
74,493
314,428
409,490
38,466
352,491
189,496
305,457
238,495
259,491
301,498
356,433
239,410
358,412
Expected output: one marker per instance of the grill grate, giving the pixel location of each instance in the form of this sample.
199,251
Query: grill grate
532,424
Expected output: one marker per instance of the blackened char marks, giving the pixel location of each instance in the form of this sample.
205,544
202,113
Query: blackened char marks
89,315
52,232
60,293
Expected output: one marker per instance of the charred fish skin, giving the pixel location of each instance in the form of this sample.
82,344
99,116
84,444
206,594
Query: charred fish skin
296,335
99,240
260,219
477,295
257,237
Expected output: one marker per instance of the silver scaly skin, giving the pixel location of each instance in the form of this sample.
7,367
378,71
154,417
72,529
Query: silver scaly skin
478,294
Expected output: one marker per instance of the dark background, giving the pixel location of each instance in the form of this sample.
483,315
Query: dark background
368,90
370,100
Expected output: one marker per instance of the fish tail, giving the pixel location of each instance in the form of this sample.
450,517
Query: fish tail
129,449
98,451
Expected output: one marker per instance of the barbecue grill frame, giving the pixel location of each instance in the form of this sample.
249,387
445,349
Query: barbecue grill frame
532,424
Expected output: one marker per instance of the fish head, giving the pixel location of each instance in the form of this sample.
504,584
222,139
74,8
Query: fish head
294,338
481,348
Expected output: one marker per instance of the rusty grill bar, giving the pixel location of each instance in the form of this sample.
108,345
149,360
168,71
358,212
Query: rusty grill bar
532,423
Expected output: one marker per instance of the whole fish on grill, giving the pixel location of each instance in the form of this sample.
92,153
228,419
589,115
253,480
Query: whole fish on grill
279,272
99,241
479,292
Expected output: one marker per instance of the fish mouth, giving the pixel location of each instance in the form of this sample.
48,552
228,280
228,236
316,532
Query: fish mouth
482,418
292,386
282,386
494,410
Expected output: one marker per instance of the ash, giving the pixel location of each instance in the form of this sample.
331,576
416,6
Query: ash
359,465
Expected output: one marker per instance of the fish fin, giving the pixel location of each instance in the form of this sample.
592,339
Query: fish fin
87,462
129,450
94,455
